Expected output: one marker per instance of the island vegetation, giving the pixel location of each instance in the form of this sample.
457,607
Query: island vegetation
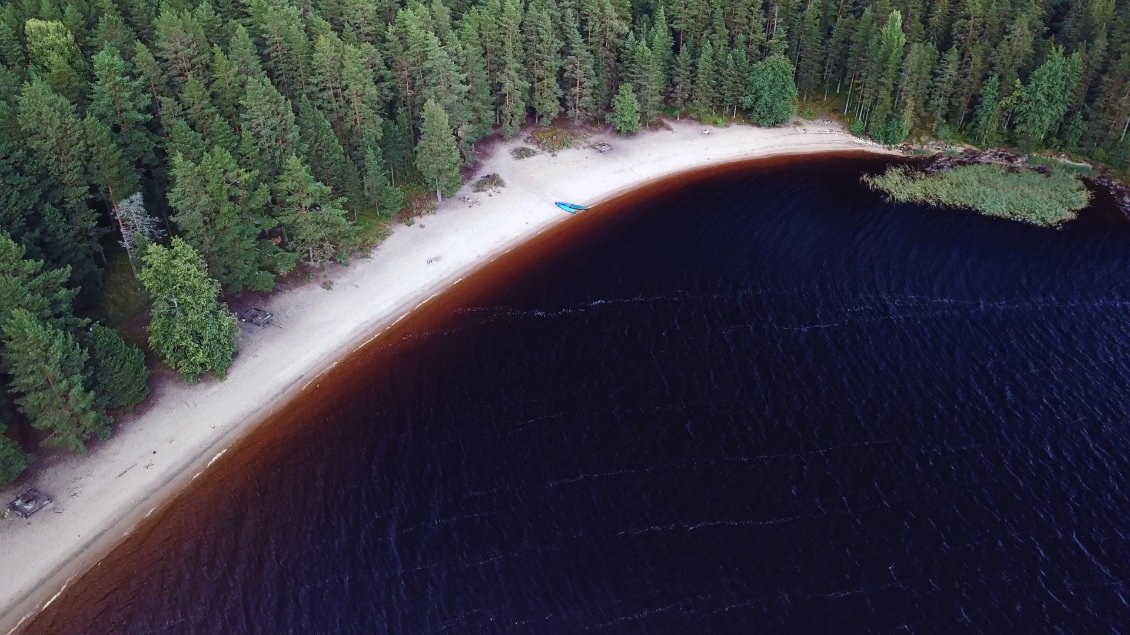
1047,196
157,157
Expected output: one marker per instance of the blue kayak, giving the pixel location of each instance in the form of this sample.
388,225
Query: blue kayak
572,208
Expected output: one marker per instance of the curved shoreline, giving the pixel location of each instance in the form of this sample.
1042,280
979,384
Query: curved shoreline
184,429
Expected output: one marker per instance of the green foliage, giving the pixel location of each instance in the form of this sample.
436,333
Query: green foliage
13,460
625,115
315,221
437,155
48,370
188,327
1024,195
117,369
771,94
221,211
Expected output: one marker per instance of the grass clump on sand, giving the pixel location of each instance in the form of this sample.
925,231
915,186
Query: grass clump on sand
1045,197
523,152
489,182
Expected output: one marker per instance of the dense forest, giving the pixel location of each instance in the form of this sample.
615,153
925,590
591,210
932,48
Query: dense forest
214,146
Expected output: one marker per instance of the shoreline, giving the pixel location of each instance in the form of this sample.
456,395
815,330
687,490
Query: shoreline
183,429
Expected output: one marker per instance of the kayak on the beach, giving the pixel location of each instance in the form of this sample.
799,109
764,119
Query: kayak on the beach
572,208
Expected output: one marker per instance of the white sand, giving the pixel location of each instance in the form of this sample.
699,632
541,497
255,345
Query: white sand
102,496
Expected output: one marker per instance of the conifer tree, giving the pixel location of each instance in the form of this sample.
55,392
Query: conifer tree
512,85
121,102
13,460
682,82
269,132
316,225
54,57
242,52
226,83
325,156
397,146
543,54
117,369
48,370
1047,96
480,101
188,327
25,283
706,82
56,138
625,115
379,192
662,46
580,79
112,173
437,154
443,83
182,45
221,211
286,49
986,119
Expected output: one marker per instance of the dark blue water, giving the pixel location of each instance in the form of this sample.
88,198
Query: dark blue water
758,399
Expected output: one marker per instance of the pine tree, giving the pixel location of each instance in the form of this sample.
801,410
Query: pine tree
443,83
54,57
285,47
543,54
182,45
437,154
112,173
268,127
226,84
379,192
986,119
315,221
480,101
397,145
577,70
772,93
118,369
56,138
221,211
683,81
242,52
325,156
188,327
28,285
706,82
1046,96
512,85
625,115
13,460
120,102
48,370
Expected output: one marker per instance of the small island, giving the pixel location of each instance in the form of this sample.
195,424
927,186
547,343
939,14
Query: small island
1041,195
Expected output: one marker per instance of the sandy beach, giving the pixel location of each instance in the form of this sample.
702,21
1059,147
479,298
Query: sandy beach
184,428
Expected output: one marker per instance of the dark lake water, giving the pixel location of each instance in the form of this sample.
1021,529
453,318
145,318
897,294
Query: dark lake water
755,399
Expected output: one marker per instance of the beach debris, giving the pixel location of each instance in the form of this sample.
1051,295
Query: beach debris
31,501
258,317
488,182
706,131
602,147
470,201
434,259
523,152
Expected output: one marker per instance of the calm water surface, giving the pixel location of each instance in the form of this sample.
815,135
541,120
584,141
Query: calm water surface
758,399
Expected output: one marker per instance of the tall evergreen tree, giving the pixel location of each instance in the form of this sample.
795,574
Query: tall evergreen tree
543,55
437,154
117,369
48,369
268,127
315,221
121,102
578,74
625,115
705,91
221,211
